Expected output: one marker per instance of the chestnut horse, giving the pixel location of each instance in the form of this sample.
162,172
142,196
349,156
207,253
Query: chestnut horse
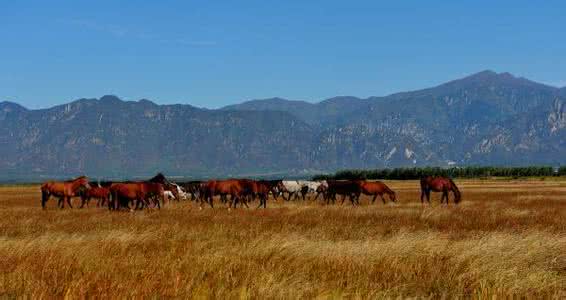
98,192
233,187
139,192
63,190
376,188
439,184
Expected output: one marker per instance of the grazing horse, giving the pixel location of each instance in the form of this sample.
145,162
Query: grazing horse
102,194
64,190
439,184
376,188
140,192
345,188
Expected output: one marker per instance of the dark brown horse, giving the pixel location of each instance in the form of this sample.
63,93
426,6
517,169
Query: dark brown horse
139,192
193,188
64,190
167,185
439,184
376,188
345,188
263,188
102,194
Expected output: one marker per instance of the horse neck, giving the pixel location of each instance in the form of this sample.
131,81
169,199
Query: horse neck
76,184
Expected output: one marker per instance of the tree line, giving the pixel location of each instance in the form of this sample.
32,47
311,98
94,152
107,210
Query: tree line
455,172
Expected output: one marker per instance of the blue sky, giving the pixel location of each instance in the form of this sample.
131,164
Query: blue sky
213,53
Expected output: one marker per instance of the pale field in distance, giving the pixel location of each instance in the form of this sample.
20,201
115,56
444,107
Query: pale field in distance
505,238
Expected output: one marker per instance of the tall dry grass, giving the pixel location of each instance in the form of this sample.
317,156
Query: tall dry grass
506,238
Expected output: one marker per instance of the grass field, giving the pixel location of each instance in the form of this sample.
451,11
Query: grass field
506,237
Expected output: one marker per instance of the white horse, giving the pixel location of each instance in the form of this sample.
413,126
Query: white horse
168,195
181,192
292,188
311,185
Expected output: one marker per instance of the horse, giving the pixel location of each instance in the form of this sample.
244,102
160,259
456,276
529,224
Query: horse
292,188
345,188
193,188
233,187
167,185
321,190
439,184
96,192
263,188
141,192
64,190
376,188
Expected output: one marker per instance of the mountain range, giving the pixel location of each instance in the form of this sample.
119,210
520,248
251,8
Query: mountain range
487,118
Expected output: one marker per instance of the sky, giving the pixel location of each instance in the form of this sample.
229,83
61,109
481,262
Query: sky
214,53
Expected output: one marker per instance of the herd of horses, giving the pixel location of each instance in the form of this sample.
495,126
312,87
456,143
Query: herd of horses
157,190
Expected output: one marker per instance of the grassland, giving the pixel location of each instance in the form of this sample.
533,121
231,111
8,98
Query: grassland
505,238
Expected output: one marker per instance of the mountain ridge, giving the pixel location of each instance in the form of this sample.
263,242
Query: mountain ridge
485,118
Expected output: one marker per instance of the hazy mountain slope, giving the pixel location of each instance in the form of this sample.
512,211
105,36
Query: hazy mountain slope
486,118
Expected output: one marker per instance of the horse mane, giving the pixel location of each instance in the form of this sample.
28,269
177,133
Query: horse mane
159,178
78,178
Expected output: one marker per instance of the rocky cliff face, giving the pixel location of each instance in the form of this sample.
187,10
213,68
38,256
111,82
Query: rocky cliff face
487,118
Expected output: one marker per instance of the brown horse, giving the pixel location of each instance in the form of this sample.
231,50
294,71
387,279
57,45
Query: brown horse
263,188
102,194
439,184
64,190
233,187
139,192
376,188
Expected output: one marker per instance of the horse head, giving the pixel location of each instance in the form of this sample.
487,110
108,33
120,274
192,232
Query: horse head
81,183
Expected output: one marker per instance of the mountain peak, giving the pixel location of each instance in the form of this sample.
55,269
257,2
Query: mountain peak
110,99
147,102
8,106
489,77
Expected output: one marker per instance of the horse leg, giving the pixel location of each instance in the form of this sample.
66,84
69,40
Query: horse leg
374,197
61,203
158,201
343,198
69,201
357,198
44,198
382,198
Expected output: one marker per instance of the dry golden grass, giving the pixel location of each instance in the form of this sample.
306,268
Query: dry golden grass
506,238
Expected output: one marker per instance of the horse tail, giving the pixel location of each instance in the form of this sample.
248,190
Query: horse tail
44,194
457,194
